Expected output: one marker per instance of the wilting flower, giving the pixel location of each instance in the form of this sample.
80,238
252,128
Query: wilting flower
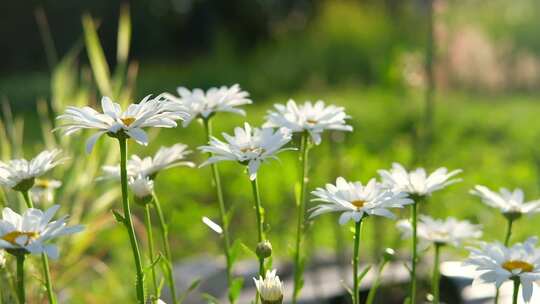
156,112
43,190
165,157
497,264
249,146
441,232
142,187
20,174
270,288
356,200
32,231
202,104
510,203
311,118
417,182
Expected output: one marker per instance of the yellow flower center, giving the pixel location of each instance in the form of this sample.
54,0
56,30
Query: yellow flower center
12,236
252,149
358,203
311,121
42,183
128,120
513,265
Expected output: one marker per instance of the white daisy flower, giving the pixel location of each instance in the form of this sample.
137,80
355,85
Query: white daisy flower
165,158
32,231
311,118
249,146
417,182
356,200
270,288
20,174
43,190
510,203
442,232
150,112
497,264
202,104
142,187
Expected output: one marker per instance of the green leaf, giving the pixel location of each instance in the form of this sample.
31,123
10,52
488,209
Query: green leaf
363,273
119,218
194,284
248,250
235,250
235,289
96,56
210,298
347,288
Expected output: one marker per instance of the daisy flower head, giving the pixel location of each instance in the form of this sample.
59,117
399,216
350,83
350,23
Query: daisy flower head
511,203
165,158
32,231
312,118
449,231
150,112
497,264
248,146
355,200
270,288
142,187
43,190
418,182
201,104
20,174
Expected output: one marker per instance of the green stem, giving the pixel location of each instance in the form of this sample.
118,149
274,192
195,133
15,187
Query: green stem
356,285
44,258
165,240
222,211
260,223
129,223
516,290
412,292
300,224
506,243
20,279
375,286
436,275
150,237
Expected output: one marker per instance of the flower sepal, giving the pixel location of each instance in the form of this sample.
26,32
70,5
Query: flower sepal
17,252
142,201
512,215
279,301
24,185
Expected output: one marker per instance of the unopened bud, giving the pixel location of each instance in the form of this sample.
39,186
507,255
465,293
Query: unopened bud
389,254
264,249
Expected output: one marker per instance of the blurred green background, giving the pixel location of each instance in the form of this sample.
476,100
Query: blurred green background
367,56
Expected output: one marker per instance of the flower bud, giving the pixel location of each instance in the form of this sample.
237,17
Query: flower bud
142,188
389,254
270,288
264,249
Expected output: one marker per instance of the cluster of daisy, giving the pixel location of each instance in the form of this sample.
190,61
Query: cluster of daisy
288,127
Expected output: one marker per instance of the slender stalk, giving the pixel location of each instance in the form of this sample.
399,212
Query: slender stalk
508,232
165,240
260,223
150,237
356,284
516,290
301,206
20,279
222,210
44,258
375,286
506,243
436,274
129,223
414,211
